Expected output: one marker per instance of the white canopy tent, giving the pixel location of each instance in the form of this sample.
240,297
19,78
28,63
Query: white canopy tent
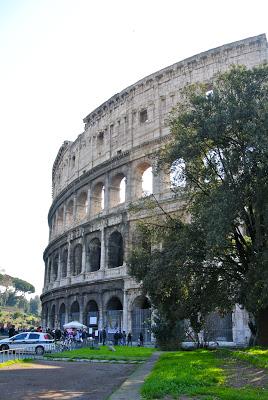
75,325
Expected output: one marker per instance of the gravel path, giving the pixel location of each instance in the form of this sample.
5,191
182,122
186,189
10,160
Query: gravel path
62,380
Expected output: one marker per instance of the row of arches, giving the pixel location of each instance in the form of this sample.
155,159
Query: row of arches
72,258
110,316
102,195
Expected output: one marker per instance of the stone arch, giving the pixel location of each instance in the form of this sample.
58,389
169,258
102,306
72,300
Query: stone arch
77,259
70,212
98,198
64,263
117,190
114,315
75,311
115,250
81,206
52,318
55,267
143,180
92,314
94,255
62,315
141,318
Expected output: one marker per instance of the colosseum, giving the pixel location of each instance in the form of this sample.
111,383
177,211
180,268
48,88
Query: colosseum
96,177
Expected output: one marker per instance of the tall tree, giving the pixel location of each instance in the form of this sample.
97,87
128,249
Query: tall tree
220,142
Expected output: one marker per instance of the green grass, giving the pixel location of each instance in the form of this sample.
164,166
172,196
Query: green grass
195,373
123,353
255,356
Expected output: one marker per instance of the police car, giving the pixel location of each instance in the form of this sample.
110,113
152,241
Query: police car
37,342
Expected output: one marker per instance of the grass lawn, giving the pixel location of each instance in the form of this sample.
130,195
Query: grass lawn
122,353
196,373
255,356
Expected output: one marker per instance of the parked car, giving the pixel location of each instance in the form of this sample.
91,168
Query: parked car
37,342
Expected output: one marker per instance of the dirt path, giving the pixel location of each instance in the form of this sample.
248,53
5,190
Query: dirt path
62,380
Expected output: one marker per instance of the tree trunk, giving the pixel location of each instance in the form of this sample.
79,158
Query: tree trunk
262,328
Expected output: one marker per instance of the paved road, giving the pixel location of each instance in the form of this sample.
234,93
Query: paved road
62,380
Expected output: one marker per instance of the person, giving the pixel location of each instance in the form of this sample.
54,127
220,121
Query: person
39,329
57,334
103,336
12,331
129,339
116,337
141,339
120,337
124,337
84,335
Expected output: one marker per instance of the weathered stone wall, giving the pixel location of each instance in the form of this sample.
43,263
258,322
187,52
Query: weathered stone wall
87,219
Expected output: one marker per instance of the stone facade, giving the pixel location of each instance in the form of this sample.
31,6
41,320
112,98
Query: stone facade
95,178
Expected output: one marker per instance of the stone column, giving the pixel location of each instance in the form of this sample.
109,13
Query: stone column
103,246
74,209
88,202
46,269
125,311
83,255
64,218
101,313
59,267
69,260
106,192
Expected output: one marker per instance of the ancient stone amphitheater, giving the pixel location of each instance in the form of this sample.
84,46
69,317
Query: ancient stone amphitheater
95,178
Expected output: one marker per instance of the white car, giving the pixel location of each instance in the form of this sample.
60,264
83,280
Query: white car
37,342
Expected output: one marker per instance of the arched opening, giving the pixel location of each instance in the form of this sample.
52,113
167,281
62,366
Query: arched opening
52,317
143,180
64,263
55,268
81,206
77,259
114,316
98,198
115,250
218,328
117,190
69,213
62,313
141,318
92,315
94,254
60,220
177,174
75,311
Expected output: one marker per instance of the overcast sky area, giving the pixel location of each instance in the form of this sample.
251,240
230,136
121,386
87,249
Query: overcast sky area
60,59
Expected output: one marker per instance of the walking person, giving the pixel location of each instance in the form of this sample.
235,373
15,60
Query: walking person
141,339
103,336
129,339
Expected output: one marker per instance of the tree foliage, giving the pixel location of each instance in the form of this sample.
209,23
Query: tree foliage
221,137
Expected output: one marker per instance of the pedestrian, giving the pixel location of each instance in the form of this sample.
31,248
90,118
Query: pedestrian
116,337
141,339
103,336
129,339
124,337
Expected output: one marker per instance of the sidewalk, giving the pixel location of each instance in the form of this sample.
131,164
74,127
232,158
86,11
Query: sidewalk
130,389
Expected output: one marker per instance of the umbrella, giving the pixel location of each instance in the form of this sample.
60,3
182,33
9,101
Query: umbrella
74,324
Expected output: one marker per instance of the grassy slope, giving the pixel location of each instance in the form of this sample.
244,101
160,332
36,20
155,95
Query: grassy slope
194,373
255,356
121,353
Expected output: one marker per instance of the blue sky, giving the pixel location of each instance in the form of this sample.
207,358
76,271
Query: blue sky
59,60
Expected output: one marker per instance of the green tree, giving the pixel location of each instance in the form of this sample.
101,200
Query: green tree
221,140
35,305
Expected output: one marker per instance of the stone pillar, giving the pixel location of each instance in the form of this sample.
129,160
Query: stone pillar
81,310
64,218
103,246
59,267
125,311
83,270
74,209
69,260
106,192
88,202
46,269
101,313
